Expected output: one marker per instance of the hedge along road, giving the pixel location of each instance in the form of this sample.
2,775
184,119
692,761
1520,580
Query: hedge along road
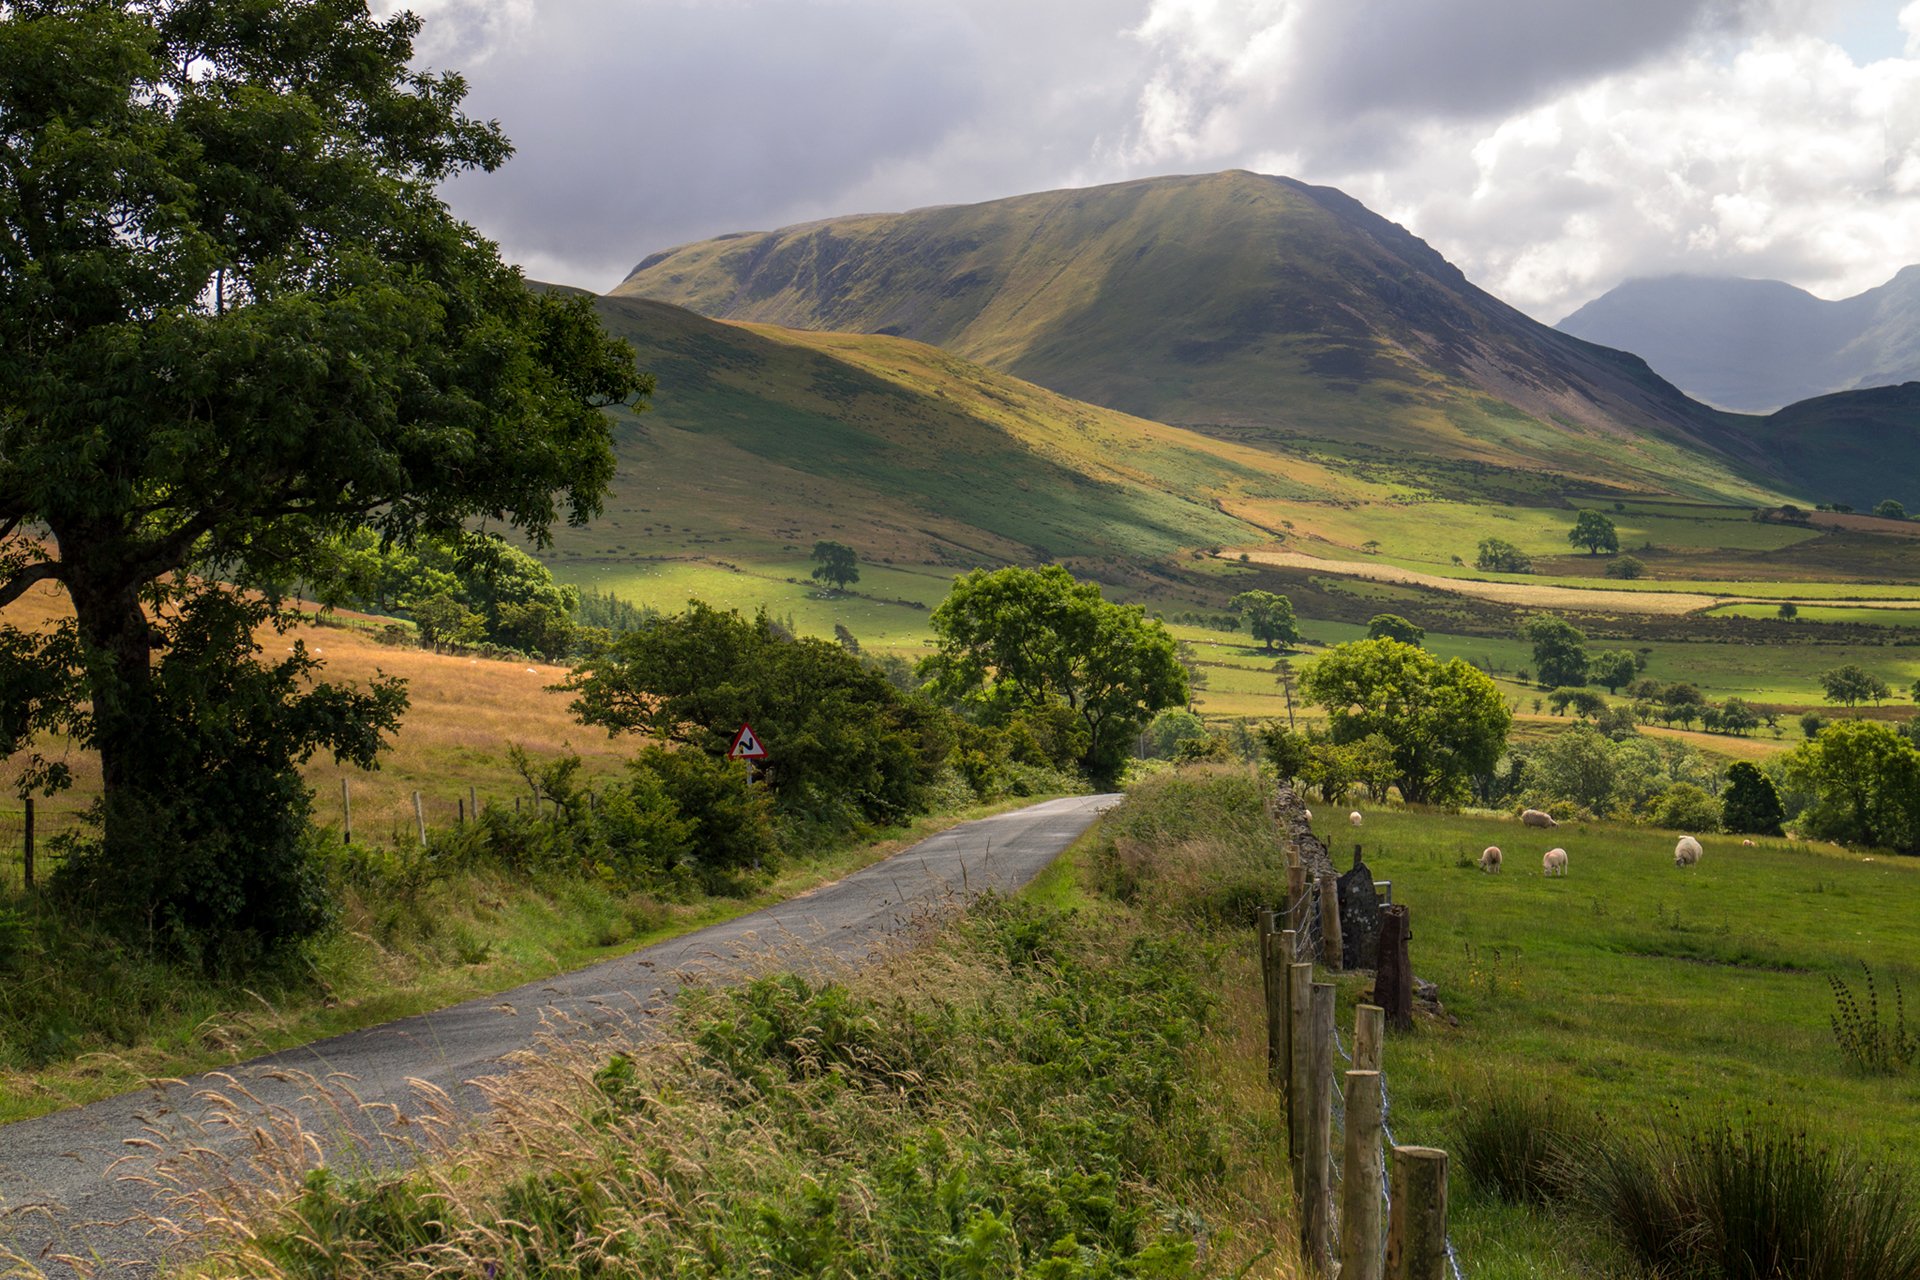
62,1192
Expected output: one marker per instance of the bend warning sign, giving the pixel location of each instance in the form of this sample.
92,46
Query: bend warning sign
746,746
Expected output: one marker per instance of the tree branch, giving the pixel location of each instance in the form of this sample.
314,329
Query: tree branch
24,580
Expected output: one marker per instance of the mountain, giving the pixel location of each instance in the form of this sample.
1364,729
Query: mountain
1254,308
1757,345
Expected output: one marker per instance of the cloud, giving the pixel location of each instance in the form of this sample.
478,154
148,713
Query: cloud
1550,148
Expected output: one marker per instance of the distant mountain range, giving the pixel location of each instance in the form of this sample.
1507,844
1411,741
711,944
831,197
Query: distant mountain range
1758,345
1270,313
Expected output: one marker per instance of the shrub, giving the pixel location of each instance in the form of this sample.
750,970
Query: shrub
1195,842
1750,1204
1517,1144
1685,807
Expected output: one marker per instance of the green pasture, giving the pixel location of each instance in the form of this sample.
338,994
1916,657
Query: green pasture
1641,993
1906,619
872,609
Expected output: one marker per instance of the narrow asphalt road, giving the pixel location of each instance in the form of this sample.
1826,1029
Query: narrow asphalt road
70,1183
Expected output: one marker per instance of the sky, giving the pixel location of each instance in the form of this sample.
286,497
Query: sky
1550,148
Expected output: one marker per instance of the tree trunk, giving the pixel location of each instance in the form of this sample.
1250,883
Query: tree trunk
119,646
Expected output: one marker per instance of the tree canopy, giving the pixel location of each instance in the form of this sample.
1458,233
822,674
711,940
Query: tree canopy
1559,650
1500,556
236,319
836,564
1594,531
1864,779
1750,805
1445,720
1852,684
1014,637
1391,626
1269,617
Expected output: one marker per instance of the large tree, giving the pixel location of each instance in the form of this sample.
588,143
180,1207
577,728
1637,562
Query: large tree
1595,532
1852,684
1031,637
836,564
236,319
1865,782
1446,720
1559,650
1270,618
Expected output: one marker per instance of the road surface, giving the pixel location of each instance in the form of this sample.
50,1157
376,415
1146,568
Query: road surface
58,1195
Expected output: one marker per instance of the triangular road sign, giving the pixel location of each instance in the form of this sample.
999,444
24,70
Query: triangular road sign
746,746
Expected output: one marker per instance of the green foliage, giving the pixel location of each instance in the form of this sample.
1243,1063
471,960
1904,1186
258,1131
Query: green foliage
1193,844
223,864
1559,650
1627,567
232,277
1751,803
1269,618
1788,610
1593,531
1446,721
1500,556
1811,724
1864,779
1391,626
1852,684
1169,729
844,745
1623,778
1014,638
1612,668
836,564
1889,509
1686,807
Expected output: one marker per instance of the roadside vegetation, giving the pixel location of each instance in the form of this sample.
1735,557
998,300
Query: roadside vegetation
1058,1085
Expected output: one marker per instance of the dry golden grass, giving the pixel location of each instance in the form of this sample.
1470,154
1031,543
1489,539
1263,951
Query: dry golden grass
464,713
1599,599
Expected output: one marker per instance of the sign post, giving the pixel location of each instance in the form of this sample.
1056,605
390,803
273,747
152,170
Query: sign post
747,747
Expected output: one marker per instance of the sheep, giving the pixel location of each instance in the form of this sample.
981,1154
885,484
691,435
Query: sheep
1309,814
1490,858
1746,844
1687,852
1554,863
1353,819
1537,818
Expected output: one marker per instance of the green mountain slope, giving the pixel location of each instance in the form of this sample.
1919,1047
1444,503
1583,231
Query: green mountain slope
1254,307
1855,447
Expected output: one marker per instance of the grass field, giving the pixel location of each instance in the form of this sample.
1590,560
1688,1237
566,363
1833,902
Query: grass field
1643,994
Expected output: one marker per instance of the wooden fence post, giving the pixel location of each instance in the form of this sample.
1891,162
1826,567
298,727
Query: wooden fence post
1282,1047
1316,1194
1330,945
473,803
420,817
1263,925
26,865
346,813
1417,1223
1300,1020
1369,1033
1297,895
1393,980
1360,1257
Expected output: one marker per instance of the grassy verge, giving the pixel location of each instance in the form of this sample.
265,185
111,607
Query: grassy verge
1062,1085
84,1017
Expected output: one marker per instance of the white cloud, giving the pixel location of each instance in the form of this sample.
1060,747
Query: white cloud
1550,147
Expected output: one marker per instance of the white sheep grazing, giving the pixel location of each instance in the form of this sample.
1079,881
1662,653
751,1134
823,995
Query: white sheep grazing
1747,844
1490,858
1687,852
1353,819
1309,814
1554,863
1537,818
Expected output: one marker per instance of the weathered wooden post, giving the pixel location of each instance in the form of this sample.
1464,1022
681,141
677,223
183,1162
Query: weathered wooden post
473,803
1393,980
346,813
1300,1019
1263,925
1360,1257
26,866
1296,893
1417,1223
420,817
1282,1046
1316,1195
1369,1033
460,811
1330,949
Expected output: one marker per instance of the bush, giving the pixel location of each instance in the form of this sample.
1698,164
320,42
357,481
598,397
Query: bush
1195,842
1517,1144
1750,1204
1751,805
1685,807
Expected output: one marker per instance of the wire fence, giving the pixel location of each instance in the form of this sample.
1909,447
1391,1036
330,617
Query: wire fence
1320,1172
33,843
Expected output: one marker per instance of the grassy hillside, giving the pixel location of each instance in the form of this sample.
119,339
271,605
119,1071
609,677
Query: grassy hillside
1283,312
